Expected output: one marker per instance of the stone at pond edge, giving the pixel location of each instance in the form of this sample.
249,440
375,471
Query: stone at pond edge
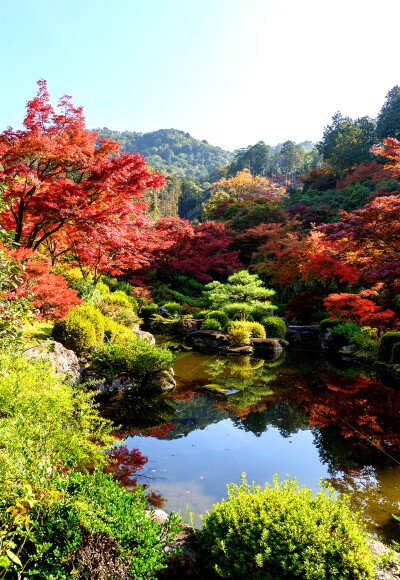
161,382
267,347
184,564
142,334
62,360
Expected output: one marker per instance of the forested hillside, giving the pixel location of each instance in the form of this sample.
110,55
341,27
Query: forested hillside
171,151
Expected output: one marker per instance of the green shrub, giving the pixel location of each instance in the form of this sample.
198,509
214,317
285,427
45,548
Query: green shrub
274,327
211,324
257,330
173,308
98,524
387,342
318,317
131,360
395,357
200,314
284,532
93,315
121,299
126,317
76,333
239,333
78,523
345,332
84,287
328,323
220,316
115,332
103,289
148,310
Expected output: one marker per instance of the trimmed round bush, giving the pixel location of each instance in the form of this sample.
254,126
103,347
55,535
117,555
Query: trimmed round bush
256,329
220,316
239,333
94,315
387,342
274,326
211,324
282,531
328,323
173,308
76,333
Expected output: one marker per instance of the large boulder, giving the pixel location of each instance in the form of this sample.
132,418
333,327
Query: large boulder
213,340
267,347
64,361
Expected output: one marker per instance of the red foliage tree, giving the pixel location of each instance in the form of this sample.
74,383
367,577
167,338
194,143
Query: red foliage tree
56,178
371,239
51,296
361,310
200,251
373,172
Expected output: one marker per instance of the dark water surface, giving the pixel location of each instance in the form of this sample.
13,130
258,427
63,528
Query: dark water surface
298,416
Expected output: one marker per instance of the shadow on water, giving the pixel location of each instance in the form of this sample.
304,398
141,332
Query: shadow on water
298,415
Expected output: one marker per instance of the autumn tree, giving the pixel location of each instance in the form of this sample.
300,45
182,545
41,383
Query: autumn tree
55,177
388,121
202,251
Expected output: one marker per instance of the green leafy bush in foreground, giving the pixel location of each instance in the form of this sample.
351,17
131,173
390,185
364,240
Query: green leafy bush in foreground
284,532
220,316
57,521
94,529
136,360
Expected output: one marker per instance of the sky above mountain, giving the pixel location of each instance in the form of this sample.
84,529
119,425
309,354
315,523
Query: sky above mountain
233,72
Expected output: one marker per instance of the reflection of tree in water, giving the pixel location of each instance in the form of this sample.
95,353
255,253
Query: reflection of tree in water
132,412
368,476
247,381
361,408
197,413
286,417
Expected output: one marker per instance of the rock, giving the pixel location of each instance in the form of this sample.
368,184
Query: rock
63,361
244,349
161,382
308,333
213,340
293,337
162,311
184,564
267,347
142,334
191,325
381,553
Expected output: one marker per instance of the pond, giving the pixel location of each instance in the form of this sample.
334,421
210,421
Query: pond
299,416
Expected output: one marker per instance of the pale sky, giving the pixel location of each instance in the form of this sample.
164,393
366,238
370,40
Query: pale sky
233,72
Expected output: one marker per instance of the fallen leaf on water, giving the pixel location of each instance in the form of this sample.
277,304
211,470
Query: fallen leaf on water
201,476
188,491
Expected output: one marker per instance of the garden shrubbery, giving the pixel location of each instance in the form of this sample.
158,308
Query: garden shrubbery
220,316
239,333
282,531
387,342
274,326
57,522
132,360
211,324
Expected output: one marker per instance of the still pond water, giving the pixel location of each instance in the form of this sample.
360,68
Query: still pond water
298,416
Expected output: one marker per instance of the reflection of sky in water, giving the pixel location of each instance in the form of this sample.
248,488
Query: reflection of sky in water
219,454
